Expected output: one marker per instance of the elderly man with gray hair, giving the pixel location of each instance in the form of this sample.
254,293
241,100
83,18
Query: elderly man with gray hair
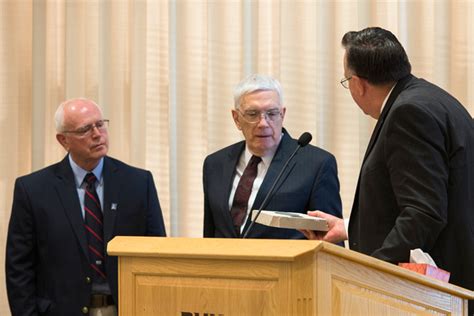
237,178
63,216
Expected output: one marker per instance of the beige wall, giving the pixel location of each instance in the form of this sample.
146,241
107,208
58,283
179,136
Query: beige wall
164,71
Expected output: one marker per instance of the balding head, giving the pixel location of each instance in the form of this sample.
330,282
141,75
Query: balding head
70,106
82,131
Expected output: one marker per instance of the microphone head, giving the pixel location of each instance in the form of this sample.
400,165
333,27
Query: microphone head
304,139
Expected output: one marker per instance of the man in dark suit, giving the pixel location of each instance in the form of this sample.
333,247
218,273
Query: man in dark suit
416,183
309,181
53,263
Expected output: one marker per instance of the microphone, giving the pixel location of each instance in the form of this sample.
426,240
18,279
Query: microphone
304,140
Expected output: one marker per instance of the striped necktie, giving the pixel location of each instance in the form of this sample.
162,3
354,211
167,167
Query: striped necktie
94,229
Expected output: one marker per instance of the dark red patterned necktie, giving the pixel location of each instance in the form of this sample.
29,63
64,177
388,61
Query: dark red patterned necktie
242,194
94,228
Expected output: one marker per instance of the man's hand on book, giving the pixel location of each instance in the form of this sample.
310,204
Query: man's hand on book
336,233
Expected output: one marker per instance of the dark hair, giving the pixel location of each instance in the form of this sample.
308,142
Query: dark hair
376,55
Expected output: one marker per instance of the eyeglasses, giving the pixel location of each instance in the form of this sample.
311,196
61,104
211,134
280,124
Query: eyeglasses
345,82
101,125
254,116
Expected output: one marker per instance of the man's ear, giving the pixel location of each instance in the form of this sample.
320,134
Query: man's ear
63,141
235,116
360,85
283,111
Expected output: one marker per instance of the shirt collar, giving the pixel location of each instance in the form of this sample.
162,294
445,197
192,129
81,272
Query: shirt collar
80,173
386,98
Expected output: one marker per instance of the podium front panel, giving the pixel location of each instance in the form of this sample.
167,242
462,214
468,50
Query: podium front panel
161,286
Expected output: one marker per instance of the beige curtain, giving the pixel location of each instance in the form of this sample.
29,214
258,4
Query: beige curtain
164,72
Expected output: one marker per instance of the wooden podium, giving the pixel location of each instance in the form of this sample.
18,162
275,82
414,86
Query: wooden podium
205,276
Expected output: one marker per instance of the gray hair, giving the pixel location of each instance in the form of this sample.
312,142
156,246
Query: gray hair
59,115
254,83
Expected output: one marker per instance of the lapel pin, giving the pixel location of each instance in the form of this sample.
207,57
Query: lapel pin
113,207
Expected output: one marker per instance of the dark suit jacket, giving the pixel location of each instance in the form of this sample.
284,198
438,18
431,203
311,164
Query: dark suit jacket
309,183
416,185
47,258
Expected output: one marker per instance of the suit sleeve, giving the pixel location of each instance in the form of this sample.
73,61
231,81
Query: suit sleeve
155,224
325,193
21,258
208,228
418,166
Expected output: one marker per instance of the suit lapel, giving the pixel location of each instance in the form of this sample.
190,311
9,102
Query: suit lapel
393,96
67,193
284,151
110,208
228,172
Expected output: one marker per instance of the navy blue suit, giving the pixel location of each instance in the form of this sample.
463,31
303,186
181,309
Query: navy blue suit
309,183
47,266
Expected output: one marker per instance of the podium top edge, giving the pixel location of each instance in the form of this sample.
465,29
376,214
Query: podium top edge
251,249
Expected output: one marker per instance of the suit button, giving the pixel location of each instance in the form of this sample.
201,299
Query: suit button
88,280
85,310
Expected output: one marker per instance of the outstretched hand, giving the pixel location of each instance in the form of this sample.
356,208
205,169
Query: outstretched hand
336,233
